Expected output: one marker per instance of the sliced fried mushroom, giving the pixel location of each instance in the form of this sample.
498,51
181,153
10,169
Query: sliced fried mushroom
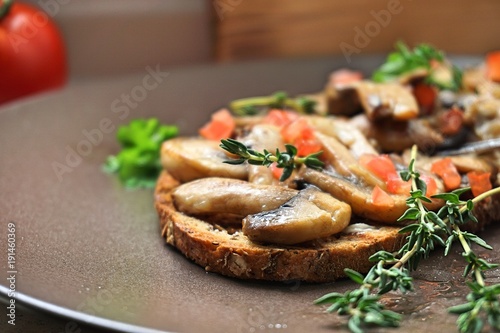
396,136
484,114
387,100
309,215
345,132
423,135
467,163
389,135
378,100
243,121
336,154
489,89
473,77
228,199
359,198
342,100
192,158
463,163
344,163
259,138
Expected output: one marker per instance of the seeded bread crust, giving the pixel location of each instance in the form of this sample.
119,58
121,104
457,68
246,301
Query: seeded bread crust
229,252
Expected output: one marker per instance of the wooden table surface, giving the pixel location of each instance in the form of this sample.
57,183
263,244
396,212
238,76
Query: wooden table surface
274,29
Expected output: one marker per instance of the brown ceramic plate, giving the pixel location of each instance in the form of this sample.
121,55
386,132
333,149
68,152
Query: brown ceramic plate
90,250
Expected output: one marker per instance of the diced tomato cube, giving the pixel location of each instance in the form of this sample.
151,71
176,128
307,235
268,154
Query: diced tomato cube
345,76
380,165
381,199
426,96
277,172
299,128
365,158
220,126
451,121
307,146
301,135
431,185
447,171
279,118
493,66
396,185
479,182
223,115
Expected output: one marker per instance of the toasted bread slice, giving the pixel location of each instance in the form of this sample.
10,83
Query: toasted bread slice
229,252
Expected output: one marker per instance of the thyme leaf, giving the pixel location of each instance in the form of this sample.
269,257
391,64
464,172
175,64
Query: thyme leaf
392,271
287,160
279,100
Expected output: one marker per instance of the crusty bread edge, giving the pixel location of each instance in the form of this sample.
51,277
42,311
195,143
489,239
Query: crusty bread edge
235,256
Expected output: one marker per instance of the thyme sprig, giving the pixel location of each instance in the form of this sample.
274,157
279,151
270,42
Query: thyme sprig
363,305
279,100
288,159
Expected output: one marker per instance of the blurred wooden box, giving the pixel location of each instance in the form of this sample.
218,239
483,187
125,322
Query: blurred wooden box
254,29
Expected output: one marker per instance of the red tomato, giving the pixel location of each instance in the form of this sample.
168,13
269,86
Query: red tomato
307,146
345,76
221,126
301,135
479,182
396,185
297,129
32,53
431,185
380,165
381,199
445,169
451,121
279,118
426,97
277,172
383,167
493,66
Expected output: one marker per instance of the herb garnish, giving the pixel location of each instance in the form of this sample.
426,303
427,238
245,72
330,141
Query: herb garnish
430,228
288,160
279,100
403,61
138,163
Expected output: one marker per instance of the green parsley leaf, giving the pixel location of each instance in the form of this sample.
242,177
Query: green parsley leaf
138,163
423,57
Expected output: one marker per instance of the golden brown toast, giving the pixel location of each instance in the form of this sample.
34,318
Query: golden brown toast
229,252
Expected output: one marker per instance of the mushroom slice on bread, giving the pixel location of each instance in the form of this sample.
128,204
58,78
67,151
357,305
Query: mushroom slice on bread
309,215
359,197
260,137
191,158
378,100
228,200
229,252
